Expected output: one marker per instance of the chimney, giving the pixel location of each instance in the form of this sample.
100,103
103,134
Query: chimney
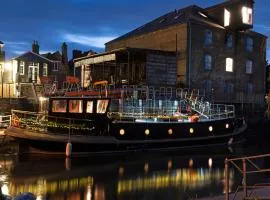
35,47
64,54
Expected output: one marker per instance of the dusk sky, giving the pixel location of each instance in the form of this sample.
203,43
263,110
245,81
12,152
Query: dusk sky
88,24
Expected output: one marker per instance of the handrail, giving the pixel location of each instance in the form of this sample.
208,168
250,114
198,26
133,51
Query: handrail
5,120
242,168
41,122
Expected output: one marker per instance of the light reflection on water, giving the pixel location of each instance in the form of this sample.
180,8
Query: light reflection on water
171,175
151,177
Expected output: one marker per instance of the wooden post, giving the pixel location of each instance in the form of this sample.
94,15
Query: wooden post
244,183
226,179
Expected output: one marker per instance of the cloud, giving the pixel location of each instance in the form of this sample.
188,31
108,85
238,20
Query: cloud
262,27
92,41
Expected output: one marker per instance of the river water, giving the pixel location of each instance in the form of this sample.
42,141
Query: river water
184,174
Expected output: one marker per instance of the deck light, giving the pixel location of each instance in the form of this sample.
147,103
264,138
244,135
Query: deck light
191,130
210,128
227,125
122,132
170,131
147,132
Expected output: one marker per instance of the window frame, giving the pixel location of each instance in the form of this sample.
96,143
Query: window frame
229,40
60,103
22,66
229,62
227,17
79,104
208,62
249,66
247,15
249,44
208,37
45,66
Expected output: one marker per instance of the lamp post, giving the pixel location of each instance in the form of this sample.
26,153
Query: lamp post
2,83
2,59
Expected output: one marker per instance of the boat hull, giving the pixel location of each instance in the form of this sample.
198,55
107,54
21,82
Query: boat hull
158,138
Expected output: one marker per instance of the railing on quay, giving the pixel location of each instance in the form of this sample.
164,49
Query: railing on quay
44,123
242,164
5,121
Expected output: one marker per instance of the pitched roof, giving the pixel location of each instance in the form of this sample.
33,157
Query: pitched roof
191,13
34,54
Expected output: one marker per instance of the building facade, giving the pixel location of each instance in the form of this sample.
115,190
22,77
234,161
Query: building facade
33,68
216,49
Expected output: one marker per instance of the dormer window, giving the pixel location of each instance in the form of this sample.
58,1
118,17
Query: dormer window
247,15
227,17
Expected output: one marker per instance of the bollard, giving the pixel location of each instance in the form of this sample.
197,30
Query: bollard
68,149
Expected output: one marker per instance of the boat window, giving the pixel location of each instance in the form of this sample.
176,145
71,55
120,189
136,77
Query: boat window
89,107
59,106
102,106
75,106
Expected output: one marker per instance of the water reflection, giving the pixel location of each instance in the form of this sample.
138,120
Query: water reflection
113,179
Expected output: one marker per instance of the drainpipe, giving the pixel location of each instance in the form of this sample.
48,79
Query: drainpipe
189,56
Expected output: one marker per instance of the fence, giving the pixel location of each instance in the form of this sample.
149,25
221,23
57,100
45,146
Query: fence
246,166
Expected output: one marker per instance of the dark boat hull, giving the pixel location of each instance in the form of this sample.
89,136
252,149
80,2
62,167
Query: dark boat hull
158,139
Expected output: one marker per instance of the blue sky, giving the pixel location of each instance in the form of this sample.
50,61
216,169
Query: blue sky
88,24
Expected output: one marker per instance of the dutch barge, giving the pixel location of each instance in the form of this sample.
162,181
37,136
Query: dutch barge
111,125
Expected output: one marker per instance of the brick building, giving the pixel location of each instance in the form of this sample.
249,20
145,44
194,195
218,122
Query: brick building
215,47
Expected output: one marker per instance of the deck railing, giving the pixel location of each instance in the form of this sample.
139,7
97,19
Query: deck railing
170,109
5,121
44,123
246,166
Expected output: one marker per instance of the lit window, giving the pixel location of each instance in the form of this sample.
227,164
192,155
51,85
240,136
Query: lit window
249,88
75,106
208,86
229,65
249,66
102,106
21,69
207,62
89,107
247,15
59,106
55,66
249,44
229,41
208,36
45,69
227,17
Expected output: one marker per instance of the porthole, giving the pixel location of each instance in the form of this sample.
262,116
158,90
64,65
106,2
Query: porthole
210,128
122,132
191,130
147,132
170,131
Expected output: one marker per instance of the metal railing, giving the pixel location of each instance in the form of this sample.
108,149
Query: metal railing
5,121
43,123
139,108
246,166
